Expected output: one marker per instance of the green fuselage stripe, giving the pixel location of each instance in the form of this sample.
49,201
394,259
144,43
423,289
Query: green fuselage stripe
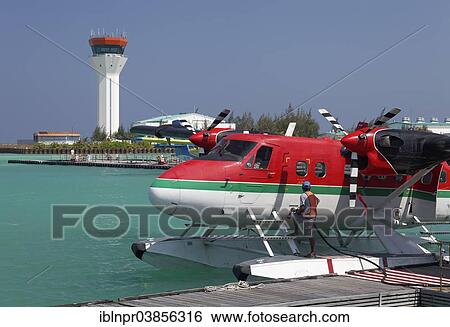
443,194
287,188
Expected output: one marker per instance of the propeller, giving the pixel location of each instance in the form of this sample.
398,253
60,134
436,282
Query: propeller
333,121
383,118
224,113
220,117
354,158
353,180
387,116
354,170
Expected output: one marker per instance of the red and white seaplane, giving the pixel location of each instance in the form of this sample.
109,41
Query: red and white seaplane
369,183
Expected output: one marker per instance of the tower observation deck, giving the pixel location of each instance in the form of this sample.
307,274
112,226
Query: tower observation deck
108,59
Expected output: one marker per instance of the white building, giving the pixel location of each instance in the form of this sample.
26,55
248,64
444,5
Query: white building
108,60
433,125
196,120
46,137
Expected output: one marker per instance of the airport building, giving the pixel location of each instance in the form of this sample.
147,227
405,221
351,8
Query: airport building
46,137
433,125
196,120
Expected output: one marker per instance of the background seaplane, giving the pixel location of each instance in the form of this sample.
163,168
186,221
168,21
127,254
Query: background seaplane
181,129
249,180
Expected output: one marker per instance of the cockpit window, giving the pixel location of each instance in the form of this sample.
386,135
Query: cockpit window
229,150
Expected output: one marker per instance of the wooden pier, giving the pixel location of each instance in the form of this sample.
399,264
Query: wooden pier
319,291
103,163
327,290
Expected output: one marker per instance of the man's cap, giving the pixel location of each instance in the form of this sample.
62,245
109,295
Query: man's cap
306,185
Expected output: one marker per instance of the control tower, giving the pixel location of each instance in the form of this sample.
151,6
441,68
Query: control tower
108,59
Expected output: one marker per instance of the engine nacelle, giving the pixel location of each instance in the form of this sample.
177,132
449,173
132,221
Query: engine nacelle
208,139
384,151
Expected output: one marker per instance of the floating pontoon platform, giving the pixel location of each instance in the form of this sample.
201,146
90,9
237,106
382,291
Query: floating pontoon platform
327,290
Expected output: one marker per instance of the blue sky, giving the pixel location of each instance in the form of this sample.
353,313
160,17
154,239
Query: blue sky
250,55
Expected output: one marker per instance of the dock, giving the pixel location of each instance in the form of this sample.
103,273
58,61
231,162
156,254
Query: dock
327,290
102,163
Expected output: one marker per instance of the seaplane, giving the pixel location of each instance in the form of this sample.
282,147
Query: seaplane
373,183
181,130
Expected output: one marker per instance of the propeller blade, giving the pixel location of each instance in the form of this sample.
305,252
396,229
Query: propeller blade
219,119
387,116
353,180
333,121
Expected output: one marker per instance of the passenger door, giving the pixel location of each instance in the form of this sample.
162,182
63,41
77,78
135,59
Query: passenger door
231,189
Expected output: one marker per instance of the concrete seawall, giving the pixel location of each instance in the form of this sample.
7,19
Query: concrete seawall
110,164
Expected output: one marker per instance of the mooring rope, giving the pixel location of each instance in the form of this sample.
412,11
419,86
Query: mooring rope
241,285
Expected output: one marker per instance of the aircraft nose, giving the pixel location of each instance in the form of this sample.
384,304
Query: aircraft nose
165,191
355,143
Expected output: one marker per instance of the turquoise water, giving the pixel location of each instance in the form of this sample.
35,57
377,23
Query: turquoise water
38,271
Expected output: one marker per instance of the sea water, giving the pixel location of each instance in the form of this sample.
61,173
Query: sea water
38,271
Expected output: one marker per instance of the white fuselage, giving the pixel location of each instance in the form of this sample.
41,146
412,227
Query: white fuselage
404,207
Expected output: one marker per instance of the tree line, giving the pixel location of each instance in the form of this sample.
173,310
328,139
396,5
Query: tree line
306,126
99,134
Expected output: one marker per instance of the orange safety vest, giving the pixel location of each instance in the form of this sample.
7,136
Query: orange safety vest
313,202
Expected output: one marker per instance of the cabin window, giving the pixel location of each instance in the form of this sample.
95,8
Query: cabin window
399,178
263,157
381,177
301,168
426,180
367,177
320,170
443,177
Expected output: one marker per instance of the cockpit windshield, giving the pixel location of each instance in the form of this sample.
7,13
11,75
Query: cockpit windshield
229,150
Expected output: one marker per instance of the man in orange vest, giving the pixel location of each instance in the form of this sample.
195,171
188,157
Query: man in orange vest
306,214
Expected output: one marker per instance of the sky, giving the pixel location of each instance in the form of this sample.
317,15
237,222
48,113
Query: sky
249,55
